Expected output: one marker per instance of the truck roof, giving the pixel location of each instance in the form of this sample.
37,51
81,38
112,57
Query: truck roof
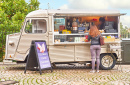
69,12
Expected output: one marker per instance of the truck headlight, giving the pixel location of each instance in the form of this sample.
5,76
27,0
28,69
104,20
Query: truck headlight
11,43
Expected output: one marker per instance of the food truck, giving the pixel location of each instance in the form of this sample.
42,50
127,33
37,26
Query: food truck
65,33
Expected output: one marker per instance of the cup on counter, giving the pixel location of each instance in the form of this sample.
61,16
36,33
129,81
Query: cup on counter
76,39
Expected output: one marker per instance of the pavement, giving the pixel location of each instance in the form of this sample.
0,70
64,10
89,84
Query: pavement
64,74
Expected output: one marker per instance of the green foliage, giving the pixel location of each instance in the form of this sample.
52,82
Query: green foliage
124,31
28,28
12,15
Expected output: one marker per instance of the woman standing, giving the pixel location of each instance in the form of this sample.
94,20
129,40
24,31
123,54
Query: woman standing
95,48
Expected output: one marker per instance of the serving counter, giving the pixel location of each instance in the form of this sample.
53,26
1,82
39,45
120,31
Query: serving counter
79,38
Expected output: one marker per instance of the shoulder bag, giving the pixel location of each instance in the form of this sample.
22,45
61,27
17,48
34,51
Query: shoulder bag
101,40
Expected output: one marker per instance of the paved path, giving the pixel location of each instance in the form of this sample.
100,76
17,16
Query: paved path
65,75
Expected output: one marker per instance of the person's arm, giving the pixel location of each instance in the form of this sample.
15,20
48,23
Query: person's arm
89,37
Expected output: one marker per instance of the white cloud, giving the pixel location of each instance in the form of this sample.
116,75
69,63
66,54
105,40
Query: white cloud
125,20
98,4
65,6
87,4
120,4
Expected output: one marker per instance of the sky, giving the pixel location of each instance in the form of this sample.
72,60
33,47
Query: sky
122,5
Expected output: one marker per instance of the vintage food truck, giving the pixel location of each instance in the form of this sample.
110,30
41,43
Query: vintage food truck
63,31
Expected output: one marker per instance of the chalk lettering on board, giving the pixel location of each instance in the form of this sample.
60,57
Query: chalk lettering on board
43,58
42,54
39,54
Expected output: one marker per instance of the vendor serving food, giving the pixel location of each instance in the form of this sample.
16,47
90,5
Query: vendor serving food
102,23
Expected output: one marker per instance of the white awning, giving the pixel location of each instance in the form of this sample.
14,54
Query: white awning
89,14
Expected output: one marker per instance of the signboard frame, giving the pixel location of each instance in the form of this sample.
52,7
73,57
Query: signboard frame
35,57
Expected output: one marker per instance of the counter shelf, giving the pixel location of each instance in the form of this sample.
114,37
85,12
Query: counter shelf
85,34
78,35
72,43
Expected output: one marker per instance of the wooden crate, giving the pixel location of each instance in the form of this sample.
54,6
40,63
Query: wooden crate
117,39
109,39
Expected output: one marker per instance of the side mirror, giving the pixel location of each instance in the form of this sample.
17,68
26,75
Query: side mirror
29,20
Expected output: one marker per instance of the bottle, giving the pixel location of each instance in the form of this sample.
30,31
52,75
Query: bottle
74,26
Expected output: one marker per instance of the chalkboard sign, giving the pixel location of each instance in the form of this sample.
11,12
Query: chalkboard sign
38,56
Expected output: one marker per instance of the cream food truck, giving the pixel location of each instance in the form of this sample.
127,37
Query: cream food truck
63,31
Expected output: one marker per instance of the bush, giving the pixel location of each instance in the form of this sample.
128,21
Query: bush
12,14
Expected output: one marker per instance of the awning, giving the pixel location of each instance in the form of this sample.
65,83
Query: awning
89,14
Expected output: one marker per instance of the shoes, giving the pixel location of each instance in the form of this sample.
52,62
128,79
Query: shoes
92,71
97,71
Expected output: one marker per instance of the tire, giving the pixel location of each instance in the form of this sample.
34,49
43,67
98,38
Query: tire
107,61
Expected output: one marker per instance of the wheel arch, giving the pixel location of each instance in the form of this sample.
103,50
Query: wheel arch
114,54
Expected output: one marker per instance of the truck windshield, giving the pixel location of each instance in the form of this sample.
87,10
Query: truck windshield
36,26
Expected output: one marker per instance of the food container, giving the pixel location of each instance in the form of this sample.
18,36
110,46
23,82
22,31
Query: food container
81,29
71,39
61,27
102,31
109,39
64,31
62,40
74,27
86,38
117,39
57,40
68,32
74,24
76,39
81,40
74,30
56,32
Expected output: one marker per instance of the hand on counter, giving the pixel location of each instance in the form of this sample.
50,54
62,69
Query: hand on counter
85,31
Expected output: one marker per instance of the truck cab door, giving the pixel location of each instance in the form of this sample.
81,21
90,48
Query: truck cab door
35,29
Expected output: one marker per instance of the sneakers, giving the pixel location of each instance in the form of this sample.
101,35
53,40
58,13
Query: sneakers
92,71
97,71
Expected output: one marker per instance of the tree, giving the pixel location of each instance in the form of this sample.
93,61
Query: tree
124,31
12,14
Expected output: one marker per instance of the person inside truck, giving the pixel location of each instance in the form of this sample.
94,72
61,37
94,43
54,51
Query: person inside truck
95,48
101,26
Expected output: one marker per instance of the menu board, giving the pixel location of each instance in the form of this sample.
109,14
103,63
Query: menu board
42,55
38,56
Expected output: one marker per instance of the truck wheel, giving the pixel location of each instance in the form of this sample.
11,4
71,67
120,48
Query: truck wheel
107,61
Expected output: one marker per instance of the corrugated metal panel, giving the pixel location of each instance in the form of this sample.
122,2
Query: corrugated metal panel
61,53
82,53
26,39
50,39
